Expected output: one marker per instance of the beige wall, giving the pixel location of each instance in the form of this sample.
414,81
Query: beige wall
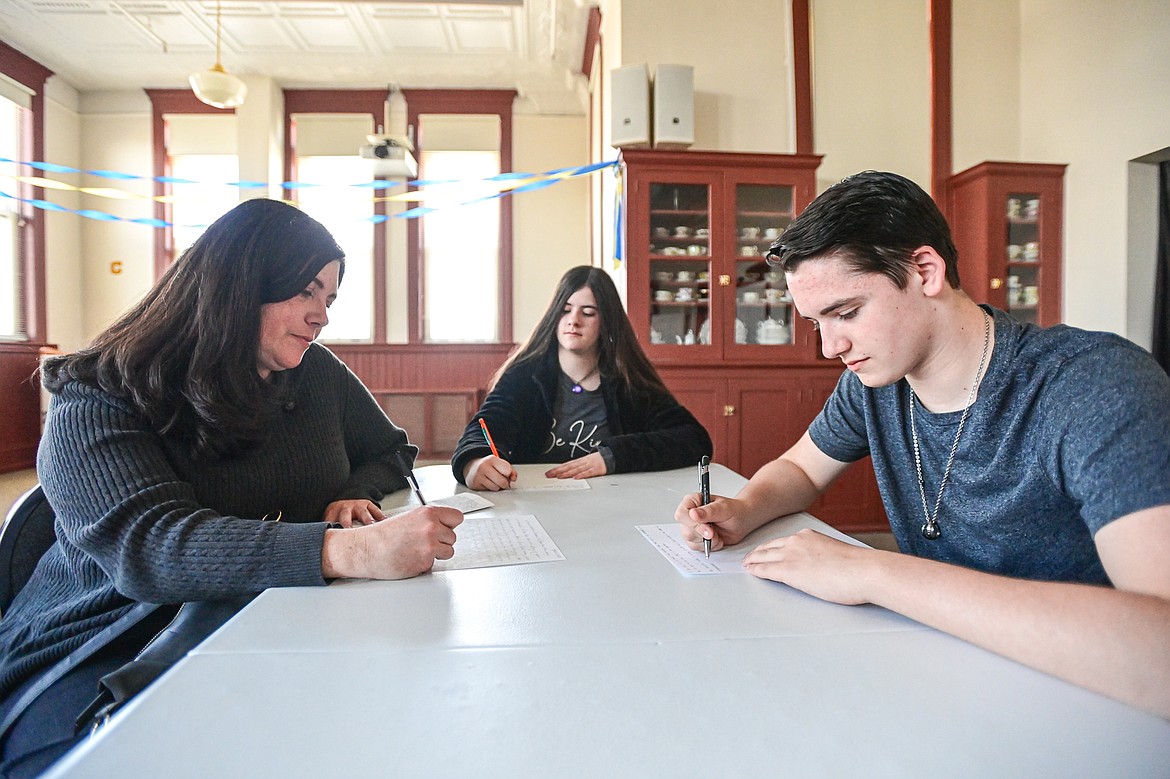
66,304
985,81
1093,94
116,139
550,225
871,88
743,71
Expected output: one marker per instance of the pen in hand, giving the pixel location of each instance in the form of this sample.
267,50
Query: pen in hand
488,437
705,494
409,474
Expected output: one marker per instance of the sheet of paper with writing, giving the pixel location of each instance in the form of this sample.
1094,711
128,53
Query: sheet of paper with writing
667,539
484,542
531,478
466,502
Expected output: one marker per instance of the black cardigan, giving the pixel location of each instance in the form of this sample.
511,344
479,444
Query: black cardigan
650,431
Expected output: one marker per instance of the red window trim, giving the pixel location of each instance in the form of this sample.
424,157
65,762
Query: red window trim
460,101
168,101
343,101
32,75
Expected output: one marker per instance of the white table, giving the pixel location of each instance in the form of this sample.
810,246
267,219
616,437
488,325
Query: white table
609,663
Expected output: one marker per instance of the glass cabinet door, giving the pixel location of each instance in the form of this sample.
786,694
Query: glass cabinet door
1024,255
764,314
680,264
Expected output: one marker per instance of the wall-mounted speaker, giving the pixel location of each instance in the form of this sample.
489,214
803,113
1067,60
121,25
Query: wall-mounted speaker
630,107
674,106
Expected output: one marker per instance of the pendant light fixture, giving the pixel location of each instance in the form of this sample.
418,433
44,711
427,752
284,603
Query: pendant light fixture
216,86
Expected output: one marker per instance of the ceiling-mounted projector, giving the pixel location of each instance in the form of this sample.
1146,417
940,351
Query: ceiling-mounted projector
391,155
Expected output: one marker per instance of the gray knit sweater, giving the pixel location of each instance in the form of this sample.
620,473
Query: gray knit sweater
139,520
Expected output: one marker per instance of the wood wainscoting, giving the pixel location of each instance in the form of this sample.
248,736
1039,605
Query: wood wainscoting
430,390
20,393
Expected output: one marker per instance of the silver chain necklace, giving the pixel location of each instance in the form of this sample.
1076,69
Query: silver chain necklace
931,530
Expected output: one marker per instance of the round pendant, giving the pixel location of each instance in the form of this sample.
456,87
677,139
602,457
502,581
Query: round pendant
577,389
931,531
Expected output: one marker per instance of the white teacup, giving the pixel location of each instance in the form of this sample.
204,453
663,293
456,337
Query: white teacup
682,231
772,233
664,295
686,275
751,297
750,233
684,294
695,249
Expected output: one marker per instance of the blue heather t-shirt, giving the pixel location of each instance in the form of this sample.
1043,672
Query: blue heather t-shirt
1070,430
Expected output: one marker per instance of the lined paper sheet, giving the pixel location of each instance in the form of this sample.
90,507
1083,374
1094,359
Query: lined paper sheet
531,478
466,502
484,542
667,539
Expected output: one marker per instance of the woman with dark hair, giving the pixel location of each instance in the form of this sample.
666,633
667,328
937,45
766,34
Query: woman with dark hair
204,410
580,392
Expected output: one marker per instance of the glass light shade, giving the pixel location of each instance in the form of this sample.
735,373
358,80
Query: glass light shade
218,88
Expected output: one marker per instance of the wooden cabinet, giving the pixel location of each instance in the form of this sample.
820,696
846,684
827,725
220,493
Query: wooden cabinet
717,321
1007,222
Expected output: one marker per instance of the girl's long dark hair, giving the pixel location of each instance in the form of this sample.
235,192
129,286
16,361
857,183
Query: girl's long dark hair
619,355
186,355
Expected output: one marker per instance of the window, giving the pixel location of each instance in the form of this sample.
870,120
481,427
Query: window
194,206
459,265
345,211
11,268
194,141
324,129
462,247
22,227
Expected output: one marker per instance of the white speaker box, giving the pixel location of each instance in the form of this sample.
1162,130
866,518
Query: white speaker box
674,106
630,107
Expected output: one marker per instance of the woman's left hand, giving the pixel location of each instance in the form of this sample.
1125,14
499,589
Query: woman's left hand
582,468
353,513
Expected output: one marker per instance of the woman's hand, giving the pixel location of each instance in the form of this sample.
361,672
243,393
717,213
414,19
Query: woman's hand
349,513
398,548
489,473
582,468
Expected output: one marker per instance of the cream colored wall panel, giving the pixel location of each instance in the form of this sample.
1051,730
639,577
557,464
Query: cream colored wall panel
118,142
741,53
986,81
871,88
551,225
65,302
1093,95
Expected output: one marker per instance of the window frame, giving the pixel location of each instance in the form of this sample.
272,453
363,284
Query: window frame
344,101
168,101
460,101
32,76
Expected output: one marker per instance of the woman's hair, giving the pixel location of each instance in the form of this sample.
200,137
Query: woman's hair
618,354
186,355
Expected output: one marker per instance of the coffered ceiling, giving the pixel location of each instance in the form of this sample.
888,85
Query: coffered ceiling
533,46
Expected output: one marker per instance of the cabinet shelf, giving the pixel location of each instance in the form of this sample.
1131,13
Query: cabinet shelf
999,212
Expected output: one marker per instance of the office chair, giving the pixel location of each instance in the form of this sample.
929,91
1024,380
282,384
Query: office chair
26,535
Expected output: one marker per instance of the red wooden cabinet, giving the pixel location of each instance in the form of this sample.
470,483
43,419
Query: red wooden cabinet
1007,221
718,321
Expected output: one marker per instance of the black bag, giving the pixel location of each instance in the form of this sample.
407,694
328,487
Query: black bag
194,622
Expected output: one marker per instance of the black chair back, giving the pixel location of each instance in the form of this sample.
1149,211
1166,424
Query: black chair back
26,535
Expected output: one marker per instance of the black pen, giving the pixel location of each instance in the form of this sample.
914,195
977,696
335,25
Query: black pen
705,494
409,474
